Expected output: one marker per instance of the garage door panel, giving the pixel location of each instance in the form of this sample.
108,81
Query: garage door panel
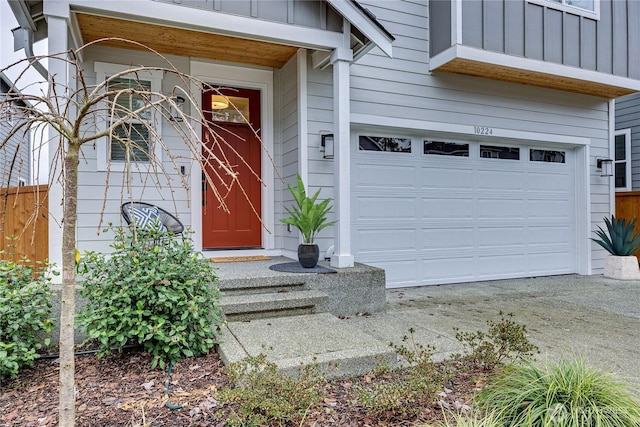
447,270
432,219
377,207
385,241
439,207
385,176
491,179
457,237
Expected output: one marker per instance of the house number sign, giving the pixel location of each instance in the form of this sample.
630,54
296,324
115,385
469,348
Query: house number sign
482,130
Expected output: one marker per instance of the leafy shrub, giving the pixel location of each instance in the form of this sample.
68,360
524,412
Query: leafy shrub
263,396
622,239
505,340
567,394
153,290
406,392
25,307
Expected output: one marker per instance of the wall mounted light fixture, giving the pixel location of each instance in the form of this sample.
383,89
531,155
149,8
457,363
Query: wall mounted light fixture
327,146
605,166
176,109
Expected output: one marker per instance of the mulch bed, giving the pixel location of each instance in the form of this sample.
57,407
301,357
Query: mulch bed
122,390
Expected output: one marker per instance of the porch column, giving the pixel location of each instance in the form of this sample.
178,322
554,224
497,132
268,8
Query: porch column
58,70
341,59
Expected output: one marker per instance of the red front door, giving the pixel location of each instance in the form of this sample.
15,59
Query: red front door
236,144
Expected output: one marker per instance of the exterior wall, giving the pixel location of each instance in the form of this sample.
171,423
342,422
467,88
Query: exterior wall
410,93
18,149
315,14
287,147
535,31
99,203
628,117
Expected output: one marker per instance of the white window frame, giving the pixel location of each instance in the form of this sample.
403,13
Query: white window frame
103,71
566,7
627,159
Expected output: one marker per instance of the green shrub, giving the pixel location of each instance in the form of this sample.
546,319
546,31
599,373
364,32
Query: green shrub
263,396
155,291
505,340
25,307
564,394
406,392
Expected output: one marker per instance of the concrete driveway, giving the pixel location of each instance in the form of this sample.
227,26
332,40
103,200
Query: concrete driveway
566,316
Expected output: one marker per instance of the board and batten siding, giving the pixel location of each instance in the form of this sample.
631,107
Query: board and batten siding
537,30
314,14
628,117
403,88
99,203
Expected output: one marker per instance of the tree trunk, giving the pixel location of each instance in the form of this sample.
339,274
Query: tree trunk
67,405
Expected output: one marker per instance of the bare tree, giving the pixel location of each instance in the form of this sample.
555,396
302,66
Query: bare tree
72,110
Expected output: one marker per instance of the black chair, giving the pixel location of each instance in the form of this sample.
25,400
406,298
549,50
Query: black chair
148,210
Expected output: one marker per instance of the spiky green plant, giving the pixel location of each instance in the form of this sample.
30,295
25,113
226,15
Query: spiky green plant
622,240
566,394
307,216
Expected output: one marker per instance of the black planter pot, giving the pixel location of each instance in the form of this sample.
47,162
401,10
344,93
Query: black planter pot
308,255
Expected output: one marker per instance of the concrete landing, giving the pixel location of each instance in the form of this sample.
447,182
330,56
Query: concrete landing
337,347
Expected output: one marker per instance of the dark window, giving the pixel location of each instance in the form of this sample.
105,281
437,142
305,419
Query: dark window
496,152
446,148
548,156
132,135
379,143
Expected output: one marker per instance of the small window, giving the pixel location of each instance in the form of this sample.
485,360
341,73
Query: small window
379,143
497,152
441,148
236,111
621,161
547,156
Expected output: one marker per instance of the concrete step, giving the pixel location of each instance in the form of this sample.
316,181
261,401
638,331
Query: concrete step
245,307
337,347
259,285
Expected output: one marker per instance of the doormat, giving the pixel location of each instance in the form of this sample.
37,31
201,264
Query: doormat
241,258
295,267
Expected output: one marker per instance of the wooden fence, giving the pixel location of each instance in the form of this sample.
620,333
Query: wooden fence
24,223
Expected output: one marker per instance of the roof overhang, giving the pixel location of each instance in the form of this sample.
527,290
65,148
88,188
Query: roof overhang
498,66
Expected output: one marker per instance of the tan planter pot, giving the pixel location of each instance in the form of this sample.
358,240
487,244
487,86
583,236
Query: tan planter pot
622,267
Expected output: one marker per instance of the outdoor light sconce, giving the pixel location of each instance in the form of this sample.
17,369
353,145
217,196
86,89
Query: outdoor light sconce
326,146
176,109
605,166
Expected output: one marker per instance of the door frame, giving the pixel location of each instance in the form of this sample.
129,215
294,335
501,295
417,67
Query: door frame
249,78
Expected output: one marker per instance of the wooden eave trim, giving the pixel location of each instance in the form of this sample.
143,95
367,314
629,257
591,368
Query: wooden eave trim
498,66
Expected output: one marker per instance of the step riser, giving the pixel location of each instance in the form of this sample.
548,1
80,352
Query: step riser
256,306
259,286
270,314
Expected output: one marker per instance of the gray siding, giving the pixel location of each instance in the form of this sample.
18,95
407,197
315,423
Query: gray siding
628,117
532,30
314,14
15,152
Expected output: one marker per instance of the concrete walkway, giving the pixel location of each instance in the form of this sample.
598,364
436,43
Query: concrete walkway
566,316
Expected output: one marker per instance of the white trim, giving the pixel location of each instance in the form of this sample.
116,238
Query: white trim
574,10
456,22
209,21
584,253
534,65
249,78
454,130
627,159
103,70
303,118
362,22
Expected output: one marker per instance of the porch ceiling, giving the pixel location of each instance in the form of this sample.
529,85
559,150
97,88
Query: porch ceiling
533,77
181,42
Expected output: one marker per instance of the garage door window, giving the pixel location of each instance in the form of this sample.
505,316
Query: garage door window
547,156
496,152
441,148
383,143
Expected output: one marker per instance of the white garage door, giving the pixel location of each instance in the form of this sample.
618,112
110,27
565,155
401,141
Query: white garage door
433,212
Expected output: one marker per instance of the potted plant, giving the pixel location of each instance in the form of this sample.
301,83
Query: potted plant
621,242
308,216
